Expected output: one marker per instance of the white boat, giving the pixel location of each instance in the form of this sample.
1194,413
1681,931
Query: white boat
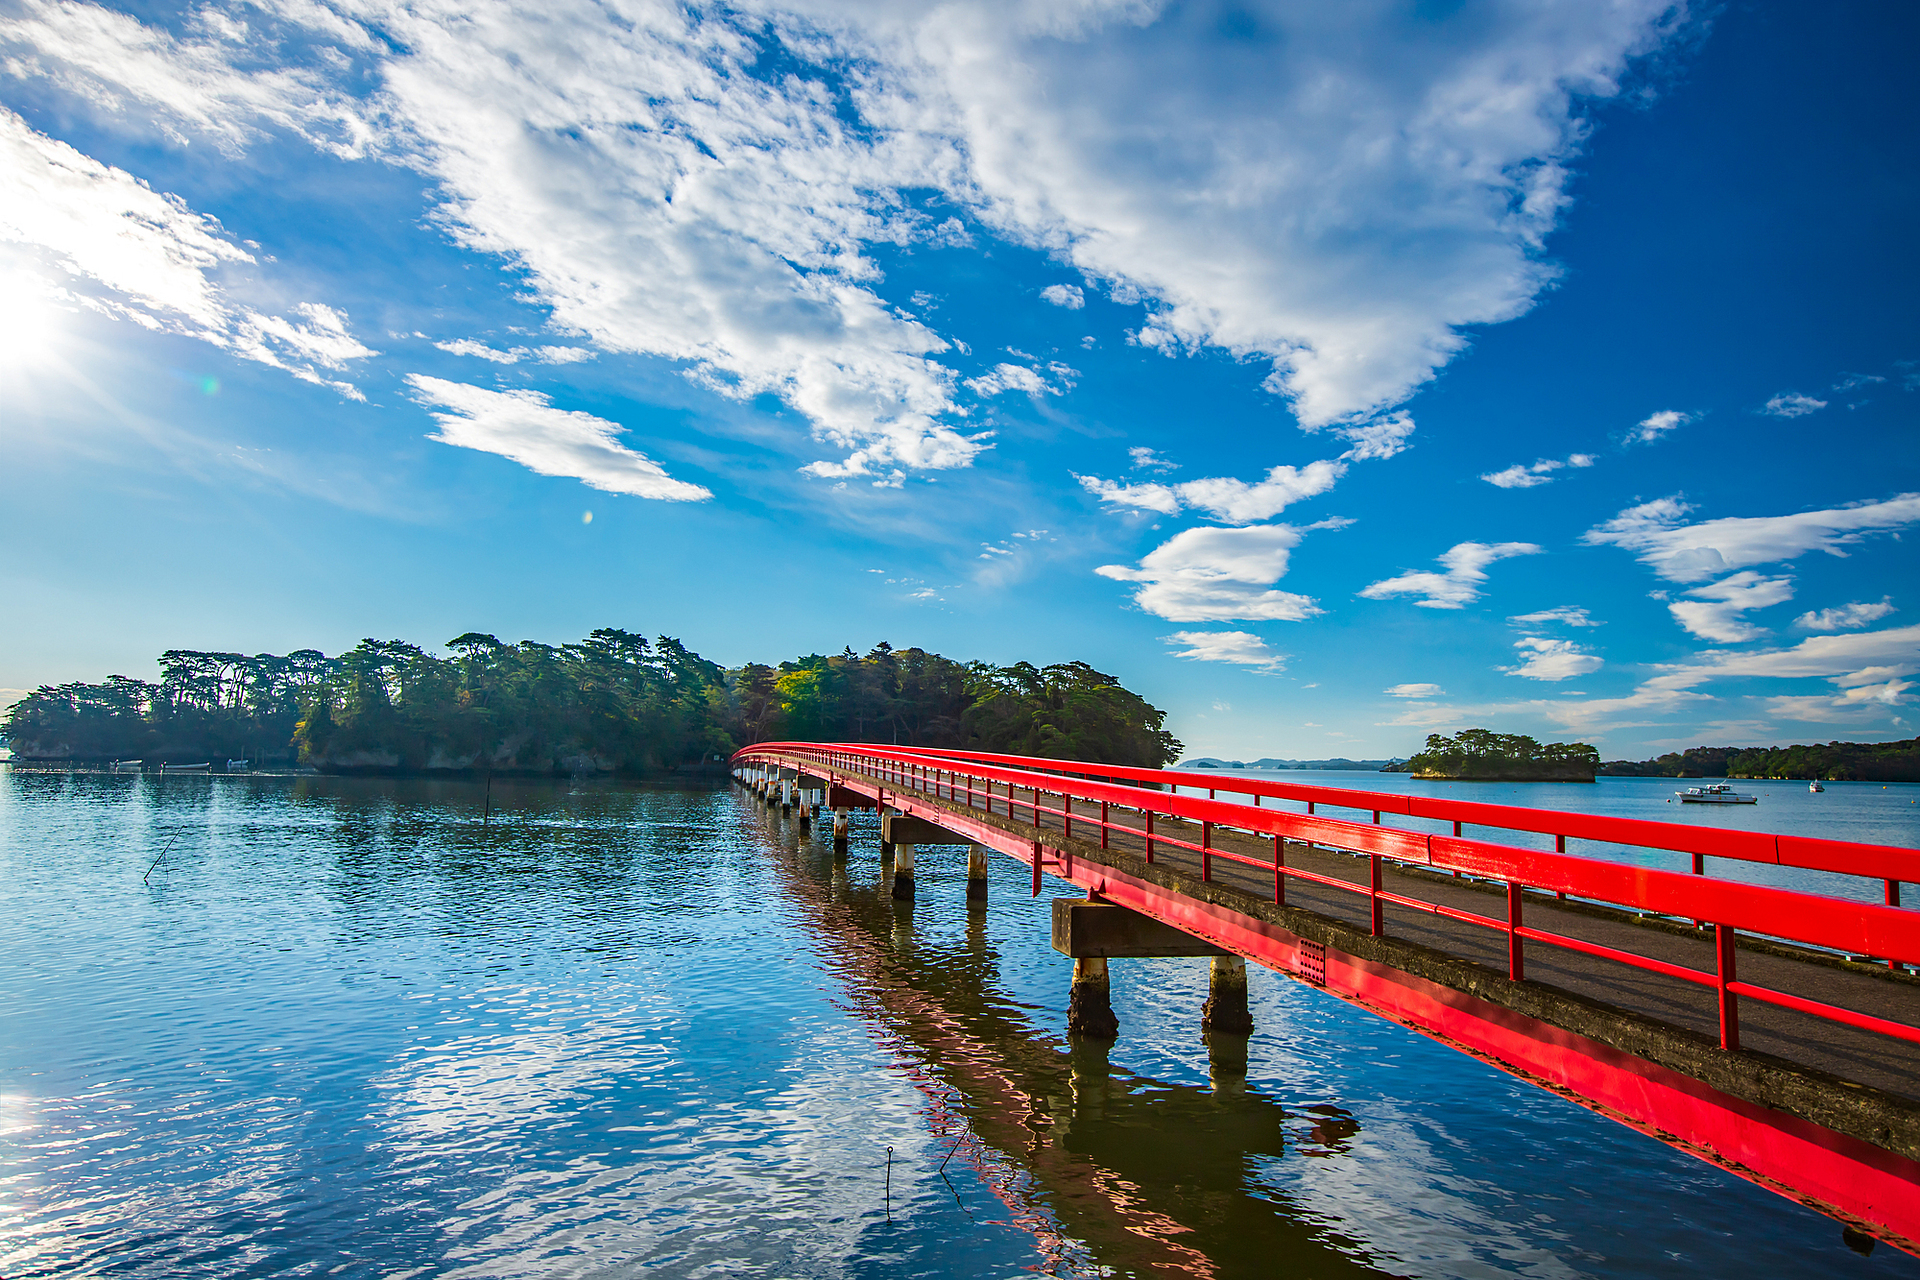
1715,793
238,766
205,766
1816,785
118,765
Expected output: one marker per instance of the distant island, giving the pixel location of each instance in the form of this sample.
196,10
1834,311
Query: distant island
614,702
1831,762
1268,762
1482,755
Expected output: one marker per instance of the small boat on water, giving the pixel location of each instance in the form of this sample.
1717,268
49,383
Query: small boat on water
1816,785
119,765
238,766
205,766
1715,793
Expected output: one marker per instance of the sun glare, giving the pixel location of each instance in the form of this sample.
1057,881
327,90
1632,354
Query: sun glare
31,323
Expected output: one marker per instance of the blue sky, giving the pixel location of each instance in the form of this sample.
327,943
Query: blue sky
1331,374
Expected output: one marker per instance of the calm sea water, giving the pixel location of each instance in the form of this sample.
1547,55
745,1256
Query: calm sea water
345,1029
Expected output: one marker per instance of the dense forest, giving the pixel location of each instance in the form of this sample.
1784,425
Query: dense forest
1481,753
1832,761
614,702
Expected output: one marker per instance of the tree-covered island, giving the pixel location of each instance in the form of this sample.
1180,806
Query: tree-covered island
614,702
1482,755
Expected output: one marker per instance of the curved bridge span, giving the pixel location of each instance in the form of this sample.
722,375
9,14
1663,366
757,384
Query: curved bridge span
1770,1031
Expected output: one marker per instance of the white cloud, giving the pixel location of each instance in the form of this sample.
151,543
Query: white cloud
1241,647
1459,585
1656,426
1522,476
1343,198
544,355
141,256
1854,381
1221,497
1863,657
1714,612
1380,438
1145,459
1544,658
1416,691
524,426
1064,295
1348,236
187,86
1690,553
1010,377
1846,617
1791,404
1870,660
1567,614
1221,575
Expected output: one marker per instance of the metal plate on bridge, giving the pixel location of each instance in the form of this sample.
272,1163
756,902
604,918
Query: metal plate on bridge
1084,929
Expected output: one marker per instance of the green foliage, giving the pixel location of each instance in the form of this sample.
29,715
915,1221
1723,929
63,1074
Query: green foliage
1067,711
1695,762
612,702
1481,752
1834,761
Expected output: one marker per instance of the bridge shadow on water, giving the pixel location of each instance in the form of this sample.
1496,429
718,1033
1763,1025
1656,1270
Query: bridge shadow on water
1111,1173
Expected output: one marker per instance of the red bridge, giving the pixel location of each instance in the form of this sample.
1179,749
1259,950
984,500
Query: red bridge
1773,1032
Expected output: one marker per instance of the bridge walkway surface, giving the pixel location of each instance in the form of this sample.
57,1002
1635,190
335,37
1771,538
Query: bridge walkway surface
1751,1040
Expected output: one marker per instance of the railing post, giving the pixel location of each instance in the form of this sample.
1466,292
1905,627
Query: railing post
1516,956
1103,824
1893,900
1279,876
1373,895
1066,815
1036,868
1206,851
1149,814
1036,806
1723,944
1560,846
1309,808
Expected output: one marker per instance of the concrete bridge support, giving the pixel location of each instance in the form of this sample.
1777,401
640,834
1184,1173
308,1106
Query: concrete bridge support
903,873
976,873
1090,1003
840,827
1093,932
1225,1011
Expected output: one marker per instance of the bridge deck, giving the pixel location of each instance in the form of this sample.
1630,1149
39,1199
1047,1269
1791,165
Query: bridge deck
1802,1039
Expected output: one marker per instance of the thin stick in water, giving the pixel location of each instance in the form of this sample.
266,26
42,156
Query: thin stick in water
156,861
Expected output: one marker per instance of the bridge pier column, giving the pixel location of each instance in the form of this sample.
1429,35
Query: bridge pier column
840,831
903,873
976,873
1090,1003
1226,1008
786,798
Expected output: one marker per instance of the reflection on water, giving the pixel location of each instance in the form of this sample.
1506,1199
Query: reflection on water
347,1028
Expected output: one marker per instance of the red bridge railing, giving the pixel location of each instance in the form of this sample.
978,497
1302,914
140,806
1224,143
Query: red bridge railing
1883,931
